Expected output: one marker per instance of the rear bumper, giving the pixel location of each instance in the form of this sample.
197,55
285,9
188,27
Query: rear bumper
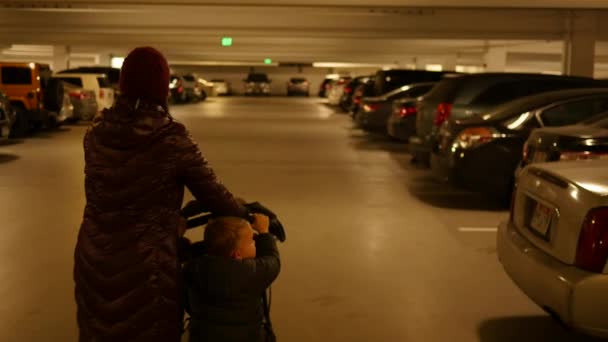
578,298
372,121
401,128
488,169
420,150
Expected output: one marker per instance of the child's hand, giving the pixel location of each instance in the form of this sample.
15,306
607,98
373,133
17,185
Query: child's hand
261,223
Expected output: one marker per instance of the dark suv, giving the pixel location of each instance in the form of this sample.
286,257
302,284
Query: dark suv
257,84
389,80
462,96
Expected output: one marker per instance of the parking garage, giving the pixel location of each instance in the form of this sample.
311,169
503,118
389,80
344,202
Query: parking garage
378,247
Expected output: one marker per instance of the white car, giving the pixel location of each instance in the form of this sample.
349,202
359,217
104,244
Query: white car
99,83
337,90
221,87
555,244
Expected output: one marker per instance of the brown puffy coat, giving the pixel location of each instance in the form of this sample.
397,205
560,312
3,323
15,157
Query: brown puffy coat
138,160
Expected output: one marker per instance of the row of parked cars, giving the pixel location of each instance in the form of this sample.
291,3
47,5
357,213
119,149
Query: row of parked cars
537,142
33,97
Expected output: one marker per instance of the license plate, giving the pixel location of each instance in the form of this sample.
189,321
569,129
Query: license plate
541,219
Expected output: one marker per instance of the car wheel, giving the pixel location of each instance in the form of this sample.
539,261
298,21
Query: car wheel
21,125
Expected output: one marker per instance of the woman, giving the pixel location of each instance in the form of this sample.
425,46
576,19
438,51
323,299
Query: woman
138,160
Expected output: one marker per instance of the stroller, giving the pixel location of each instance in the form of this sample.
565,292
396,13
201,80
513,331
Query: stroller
197,215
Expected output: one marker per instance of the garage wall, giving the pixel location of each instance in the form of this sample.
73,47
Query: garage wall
278,75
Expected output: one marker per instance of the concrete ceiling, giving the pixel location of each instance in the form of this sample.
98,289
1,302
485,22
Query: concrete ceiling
385,31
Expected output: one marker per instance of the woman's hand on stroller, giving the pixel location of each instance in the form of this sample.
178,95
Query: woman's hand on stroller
261,223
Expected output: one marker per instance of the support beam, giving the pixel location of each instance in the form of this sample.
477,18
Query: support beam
579,44
496,59
61,57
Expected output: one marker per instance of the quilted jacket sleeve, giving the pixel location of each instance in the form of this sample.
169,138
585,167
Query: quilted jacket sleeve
199,178
264,269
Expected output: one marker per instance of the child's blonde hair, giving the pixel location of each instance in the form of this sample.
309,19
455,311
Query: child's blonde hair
222,235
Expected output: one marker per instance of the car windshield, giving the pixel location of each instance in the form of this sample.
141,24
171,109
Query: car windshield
189,78
75,81
257,78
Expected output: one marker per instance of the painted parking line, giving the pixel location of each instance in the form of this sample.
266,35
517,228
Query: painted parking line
478,229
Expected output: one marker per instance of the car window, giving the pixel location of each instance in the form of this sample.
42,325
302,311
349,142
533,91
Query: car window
103,82
75,81
298,80
573,112
419,91
189,78
257,78
445,90
16,75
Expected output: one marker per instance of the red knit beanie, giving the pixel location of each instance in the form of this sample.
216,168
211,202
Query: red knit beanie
145,75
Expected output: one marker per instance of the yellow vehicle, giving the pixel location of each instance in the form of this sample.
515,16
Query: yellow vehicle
36,97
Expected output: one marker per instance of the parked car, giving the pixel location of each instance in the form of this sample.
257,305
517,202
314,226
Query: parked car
193,92
83,101
7,116
401,124
336,90
205,87
98,83
113,74
483,152
36,97
583,141
325,86
221,87
391,79
363,90
462,96
555,244
257,84
298,86
177,90
374,112
66,114
350,89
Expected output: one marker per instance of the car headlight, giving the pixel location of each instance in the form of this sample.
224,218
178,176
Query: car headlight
476,136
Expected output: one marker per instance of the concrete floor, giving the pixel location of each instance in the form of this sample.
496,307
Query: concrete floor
375,249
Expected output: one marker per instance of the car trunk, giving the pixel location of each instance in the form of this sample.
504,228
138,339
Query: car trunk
549,144
551,203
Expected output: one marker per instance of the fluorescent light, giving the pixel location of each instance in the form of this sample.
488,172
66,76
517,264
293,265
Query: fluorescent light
117,62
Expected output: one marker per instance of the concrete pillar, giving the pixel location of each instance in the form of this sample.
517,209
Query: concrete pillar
105,59
61,57
579,44
449,63
495,59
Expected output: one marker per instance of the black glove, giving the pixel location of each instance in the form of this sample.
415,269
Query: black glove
276,228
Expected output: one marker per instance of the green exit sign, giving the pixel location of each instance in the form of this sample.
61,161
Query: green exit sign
226,41
268,61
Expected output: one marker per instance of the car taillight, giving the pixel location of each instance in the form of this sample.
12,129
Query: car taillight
101,93
348,90
407,111
77,95
357,100
180,89
475,136
592,249
371,107
444,110
582,155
